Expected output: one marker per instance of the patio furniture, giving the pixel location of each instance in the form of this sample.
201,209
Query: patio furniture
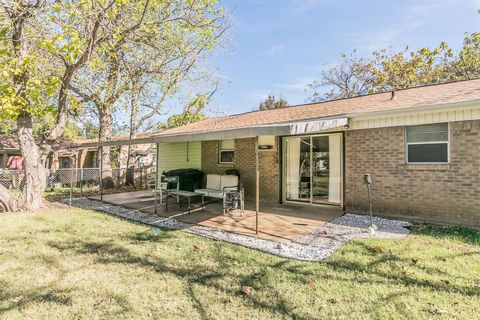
234,201
184,194
218,186
166,186
188,179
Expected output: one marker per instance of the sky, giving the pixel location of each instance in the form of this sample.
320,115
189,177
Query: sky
279,46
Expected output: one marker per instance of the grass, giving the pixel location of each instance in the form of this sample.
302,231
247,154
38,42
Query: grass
77,264
57,194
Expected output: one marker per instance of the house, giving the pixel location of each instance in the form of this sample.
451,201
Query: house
421,147
60,158
71,153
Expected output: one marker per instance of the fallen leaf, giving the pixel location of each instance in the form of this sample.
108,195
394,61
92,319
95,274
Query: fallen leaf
247,290
438,310
312,286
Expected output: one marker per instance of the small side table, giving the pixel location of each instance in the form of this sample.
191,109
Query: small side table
185,194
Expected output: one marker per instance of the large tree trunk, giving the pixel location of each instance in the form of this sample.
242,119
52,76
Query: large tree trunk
130,172
105,134
35,180
34,157
34,167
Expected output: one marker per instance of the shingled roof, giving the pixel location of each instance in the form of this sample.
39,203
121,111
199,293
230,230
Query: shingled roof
448,93
423,96
11,142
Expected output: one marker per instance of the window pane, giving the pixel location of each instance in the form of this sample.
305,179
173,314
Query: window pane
428,133
228,144
227,156
435,152
427,137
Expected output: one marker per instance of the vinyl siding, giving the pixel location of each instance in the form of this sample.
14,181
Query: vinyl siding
178,155
413,118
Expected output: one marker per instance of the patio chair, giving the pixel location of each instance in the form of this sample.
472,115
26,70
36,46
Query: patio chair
163,188
218,186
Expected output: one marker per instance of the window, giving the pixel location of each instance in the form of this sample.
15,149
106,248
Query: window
64,162
428,143
227,151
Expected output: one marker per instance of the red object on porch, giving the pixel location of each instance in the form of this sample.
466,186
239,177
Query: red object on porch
15,163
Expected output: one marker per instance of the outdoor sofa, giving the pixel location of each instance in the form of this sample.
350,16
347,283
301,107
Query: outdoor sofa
218,186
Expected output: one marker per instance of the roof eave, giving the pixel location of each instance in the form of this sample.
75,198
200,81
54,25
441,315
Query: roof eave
442,106
270,129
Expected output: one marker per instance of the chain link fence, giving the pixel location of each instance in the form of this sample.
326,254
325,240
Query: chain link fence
141,177
12,179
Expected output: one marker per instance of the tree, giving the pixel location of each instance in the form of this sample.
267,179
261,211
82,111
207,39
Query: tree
272,103
149,59
43,45
389,70
466,64
350,78
193,112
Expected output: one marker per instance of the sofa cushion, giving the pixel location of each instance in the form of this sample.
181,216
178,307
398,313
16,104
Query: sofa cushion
215,194
203,191
229,181
214,181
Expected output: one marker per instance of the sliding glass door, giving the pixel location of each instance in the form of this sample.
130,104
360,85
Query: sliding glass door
313,168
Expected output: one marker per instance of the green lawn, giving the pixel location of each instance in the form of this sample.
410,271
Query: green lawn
71,263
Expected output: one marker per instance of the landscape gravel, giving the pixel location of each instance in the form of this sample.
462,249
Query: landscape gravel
315,246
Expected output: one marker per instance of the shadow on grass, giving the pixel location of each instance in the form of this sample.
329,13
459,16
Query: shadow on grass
460,234
17,299
108,252
158,235
339,269
396,271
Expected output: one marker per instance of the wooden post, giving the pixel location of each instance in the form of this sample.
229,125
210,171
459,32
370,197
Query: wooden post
81,182
101,173
156,181
257,186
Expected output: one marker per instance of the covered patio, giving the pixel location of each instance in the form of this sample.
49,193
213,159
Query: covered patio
280,223
266,216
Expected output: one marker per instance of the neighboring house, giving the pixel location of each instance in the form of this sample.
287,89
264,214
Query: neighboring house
65,156
421,147
60,158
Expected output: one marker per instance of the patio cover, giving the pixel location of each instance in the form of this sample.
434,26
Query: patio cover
317,126
278,129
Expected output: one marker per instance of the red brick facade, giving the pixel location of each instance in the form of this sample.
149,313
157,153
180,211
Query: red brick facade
445,194
245,163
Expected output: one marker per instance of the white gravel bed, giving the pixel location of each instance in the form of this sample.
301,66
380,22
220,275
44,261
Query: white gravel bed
315,246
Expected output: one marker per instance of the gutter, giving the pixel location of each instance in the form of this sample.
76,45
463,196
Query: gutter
280,128
456,105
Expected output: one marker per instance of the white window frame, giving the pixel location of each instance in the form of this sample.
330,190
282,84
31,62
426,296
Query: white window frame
220,151
429,142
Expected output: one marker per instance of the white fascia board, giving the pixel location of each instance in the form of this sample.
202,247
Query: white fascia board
439,107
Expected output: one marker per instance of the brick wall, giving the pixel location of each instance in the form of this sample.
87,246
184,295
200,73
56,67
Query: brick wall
245,163
446,194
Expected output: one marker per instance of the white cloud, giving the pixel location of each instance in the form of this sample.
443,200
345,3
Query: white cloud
407,20
276,49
